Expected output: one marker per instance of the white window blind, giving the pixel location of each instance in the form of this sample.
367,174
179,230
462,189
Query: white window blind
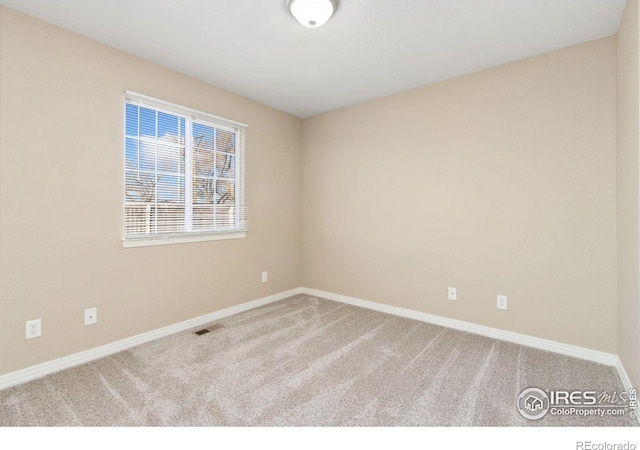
184,174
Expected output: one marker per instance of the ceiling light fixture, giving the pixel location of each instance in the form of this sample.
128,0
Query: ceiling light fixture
312,13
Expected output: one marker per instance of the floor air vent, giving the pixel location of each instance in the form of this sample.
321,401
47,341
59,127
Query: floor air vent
214,327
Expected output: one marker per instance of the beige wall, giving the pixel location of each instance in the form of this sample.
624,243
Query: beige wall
628,199
61,194
499,182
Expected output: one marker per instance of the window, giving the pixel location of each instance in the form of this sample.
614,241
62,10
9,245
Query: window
184,175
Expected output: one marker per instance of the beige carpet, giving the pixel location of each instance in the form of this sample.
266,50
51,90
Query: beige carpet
314,362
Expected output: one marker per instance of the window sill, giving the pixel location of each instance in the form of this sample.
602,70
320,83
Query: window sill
181,239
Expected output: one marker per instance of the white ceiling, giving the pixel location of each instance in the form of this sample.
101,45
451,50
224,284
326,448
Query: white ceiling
369,49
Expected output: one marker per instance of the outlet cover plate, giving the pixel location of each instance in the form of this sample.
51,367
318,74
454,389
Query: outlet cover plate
33,328
452,293
90,316
502,302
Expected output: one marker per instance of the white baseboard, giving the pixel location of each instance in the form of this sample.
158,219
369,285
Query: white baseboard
516,338
40,370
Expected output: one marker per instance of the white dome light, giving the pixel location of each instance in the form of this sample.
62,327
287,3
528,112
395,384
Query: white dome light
312,13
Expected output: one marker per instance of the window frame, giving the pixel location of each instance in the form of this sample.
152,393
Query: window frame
191,116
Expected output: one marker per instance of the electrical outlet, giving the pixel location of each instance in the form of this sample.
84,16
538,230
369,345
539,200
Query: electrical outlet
502,302
34,328
264,277
90,316
453,293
